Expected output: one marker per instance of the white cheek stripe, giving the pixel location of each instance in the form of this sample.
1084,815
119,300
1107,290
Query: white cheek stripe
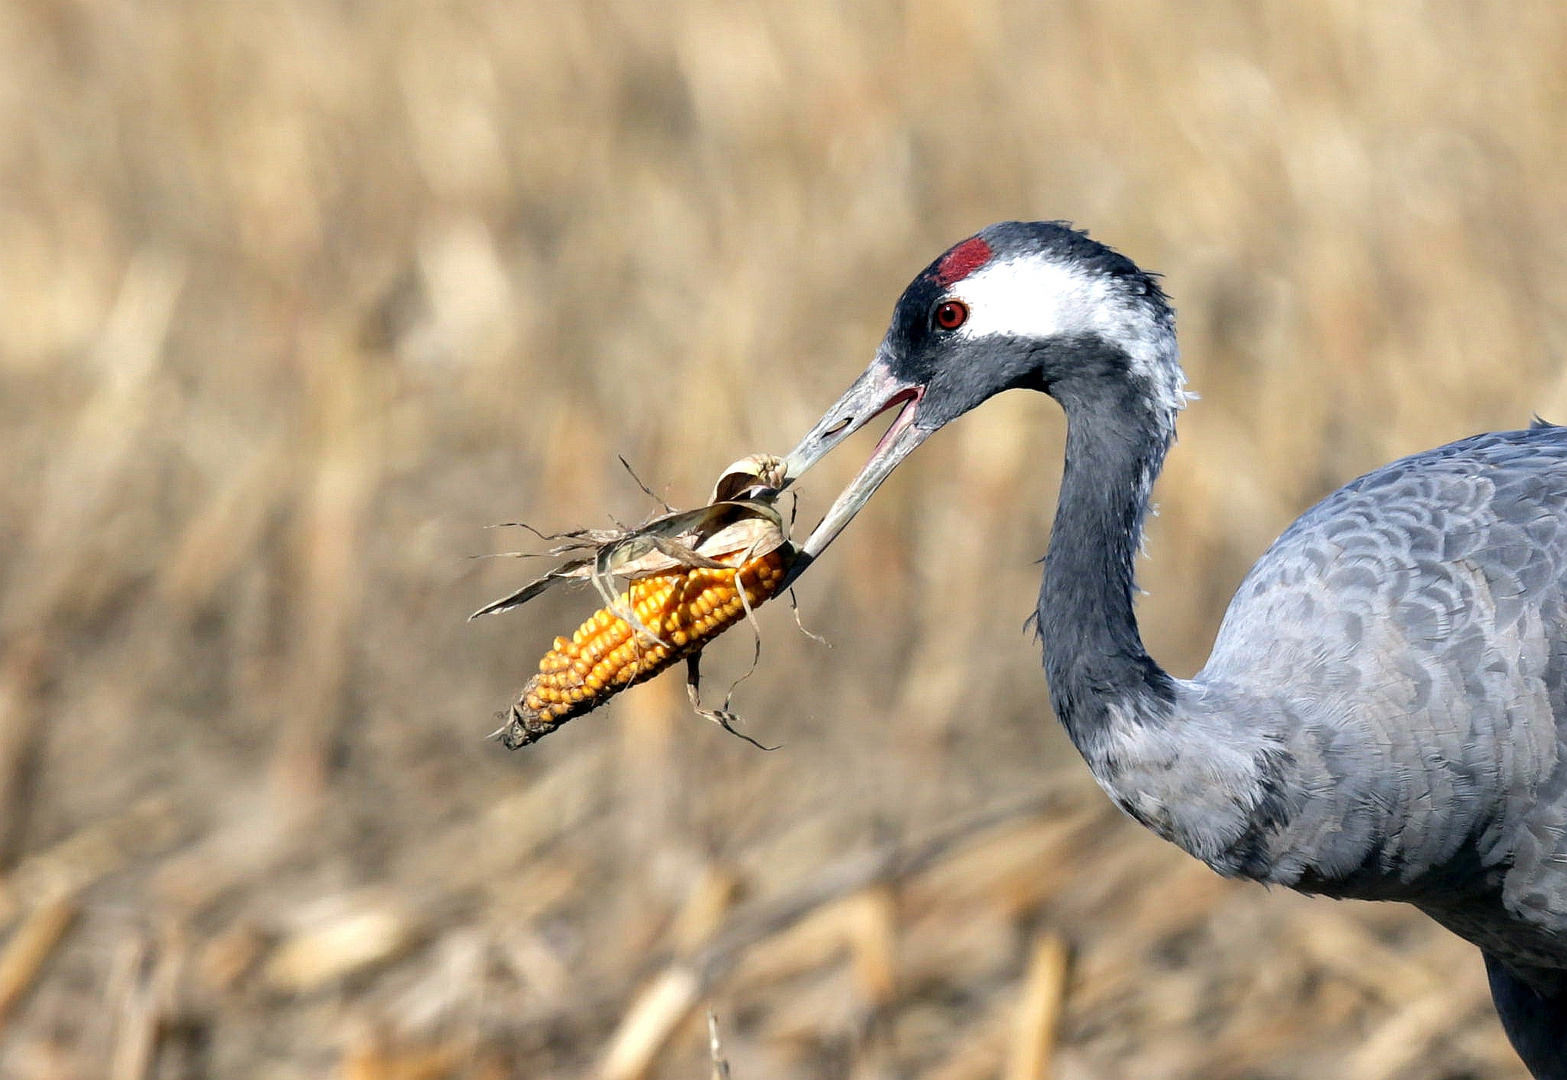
1029,299
1039,299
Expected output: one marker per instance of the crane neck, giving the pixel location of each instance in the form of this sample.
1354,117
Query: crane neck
1117,436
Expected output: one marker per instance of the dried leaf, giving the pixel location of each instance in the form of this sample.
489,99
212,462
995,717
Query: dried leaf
691,538
757,476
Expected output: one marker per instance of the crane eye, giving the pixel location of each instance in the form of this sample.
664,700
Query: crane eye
951,314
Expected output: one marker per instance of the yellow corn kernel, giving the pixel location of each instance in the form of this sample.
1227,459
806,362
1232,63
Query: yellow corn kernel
685,609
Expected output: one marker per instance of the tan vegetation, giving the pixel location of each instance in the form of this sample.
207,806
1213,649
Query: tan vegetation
297,295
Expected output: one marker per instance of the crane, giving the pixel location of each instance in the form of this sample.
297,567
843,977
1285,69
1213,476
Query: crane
1384,712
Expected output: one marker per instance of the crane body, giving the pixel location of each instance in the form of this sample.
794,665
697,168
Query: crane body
1384,712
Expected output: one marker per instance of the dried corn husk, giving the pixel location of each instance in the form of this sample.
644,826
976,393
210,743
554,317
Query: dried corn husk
739,533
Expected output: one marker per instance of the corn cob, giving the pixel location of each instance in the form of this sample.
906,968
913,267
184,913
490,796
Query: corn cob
684,608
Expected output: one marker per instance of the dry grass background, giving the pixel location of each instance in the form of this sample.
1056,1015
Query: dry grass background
296,295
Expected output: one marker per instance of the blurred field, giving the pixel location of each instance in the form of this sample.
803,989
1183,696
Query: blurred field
297,295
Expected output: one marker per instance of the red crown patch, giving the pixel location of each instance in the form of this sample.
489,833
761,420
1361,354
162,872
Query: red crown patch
962,261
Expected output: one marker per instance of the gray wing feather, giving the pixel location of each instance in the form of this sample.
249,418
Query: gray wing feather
1404,643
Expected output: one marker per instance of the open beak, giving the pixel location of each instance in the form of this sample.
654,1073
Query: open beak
873,393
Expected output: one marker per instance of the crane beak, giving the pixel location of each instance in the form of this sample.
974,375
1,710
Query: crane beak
873,393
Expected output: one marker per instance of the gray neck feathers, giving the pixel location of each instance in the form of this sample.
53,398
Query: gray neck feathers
1117,436
1199,765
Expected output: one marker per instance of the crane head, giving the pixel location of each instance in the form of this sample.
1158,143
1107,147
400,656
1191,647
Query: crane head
1034,305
